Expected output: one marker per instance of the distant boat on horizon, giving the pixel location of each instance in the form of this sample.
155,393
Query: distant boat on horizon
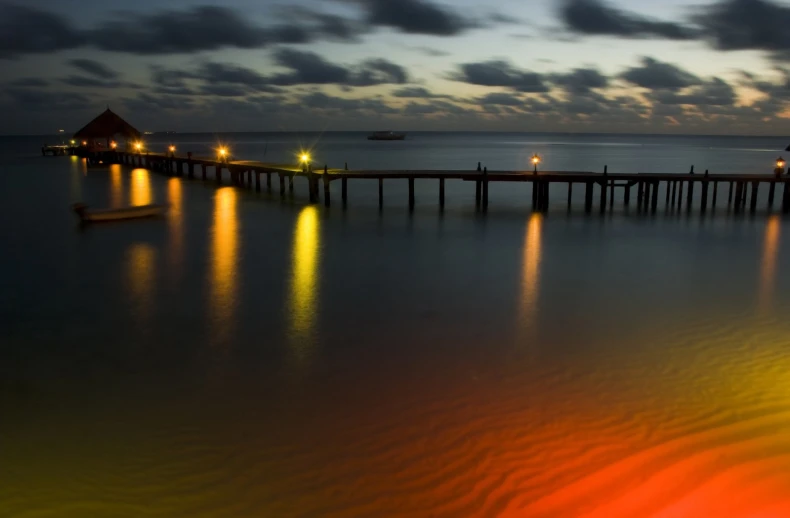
387,135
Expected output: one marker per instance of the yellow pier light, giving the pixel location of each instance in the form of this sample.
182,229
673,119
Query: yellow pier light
780,163
535,161
114,145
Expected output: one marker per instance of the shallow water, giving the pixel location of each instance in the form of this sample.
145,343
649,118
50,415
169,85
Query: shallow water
252,356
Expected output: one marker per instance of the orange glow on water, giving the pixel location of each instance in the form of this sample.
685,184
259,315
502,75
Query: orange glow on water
141,187
142,274
116,186
304,278
224,262
530,278
175,223
770,255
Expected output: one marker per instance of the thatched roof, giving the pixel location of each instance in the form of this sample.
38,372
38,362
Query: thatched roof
107,125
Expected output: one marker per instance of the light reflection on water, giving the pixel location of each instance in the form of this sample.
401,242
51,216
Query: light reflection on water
530,279
141,187
224,263
304,290
175,224
141,278
770,256
116,186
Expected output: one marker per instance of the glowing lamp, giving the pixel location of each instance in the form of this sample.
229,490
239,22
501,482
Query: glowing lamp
305,158
172,149
780,163
73,142
138,146
84,143
223,151
113,145
535,159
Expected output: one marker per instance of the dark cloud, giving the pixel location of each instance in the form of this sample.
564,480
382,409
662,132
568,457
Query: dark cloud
30,82
417,92
596,17
747,24
90,82
415,17
500,73
165,32
35,99
25,30
307,68
654,74
328,26
500,99
223,90
218,73
323,101
434,53
379,72
505,19
581,80
94,68
715,92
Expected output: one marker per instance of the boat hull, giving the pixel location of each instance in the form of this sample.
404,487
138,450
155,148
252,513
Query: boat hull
99,215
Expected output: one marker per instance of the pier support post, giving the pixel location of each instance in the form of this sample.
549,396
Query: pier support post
729,197
535,194
604,192
344,190
588,196
611,197
545,207
704,201
690,197
478,193
269,181
381,193
203,171
771,194
570,194
681,183
291,183
627,196
669,188
218,170
257,181
485,188
785,198
646,198
327,192
411,193
282,185
755,189
640,193
715,195
654,201
674,193
738,196
441,192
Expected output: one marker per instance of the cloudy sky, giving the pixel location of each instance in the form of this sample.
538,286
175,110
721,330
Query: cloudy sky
648,66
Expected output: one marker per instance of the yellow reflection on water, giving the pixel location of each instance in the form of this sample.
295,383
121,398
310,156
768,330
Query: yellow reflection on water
770,253
141,187
175,223
530,279
304,280
142,273
116,186
224,264
76,180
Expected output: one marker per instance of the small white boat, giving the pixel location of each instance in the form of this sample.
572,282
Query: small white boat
95,215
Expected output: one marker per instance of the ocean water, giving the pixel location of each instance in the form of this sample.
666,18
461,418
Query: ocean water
250,355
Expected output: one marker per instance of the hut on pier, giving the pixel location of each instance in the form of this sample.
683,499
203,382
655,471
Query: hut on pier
105,129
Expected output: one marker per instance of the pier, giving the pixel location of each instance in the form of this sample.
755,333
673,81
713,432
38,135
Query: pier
647,192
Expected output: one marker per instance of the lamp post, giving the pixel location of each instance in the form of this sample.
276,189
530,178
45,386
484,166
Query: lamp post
535,162
172,151
305,159
223,154
780,167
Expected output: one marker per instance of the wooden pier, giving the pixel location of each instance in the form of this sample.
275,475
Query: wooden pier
602,190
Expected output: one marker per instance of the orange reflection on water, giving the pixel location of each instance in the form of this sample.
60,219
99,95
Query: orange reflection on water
530,280
175,222
116,186
304,279
142,272
770,253
224,264
141,187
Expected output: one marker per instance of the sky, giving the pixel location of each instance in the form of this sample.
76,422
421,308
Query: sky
645,66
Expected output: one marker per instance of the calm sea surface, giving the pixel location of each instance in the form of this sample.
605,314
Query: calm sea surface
252,356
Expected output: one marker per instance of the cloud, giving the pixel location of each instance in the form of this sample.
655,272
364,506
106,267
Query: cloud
596,17
309,68
219,73
26,30
500,73
581,80
747,24
715,92
323,101
500,99
418,92
35,99
415,17
654,74
94,68
30,82
428,51
91,82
